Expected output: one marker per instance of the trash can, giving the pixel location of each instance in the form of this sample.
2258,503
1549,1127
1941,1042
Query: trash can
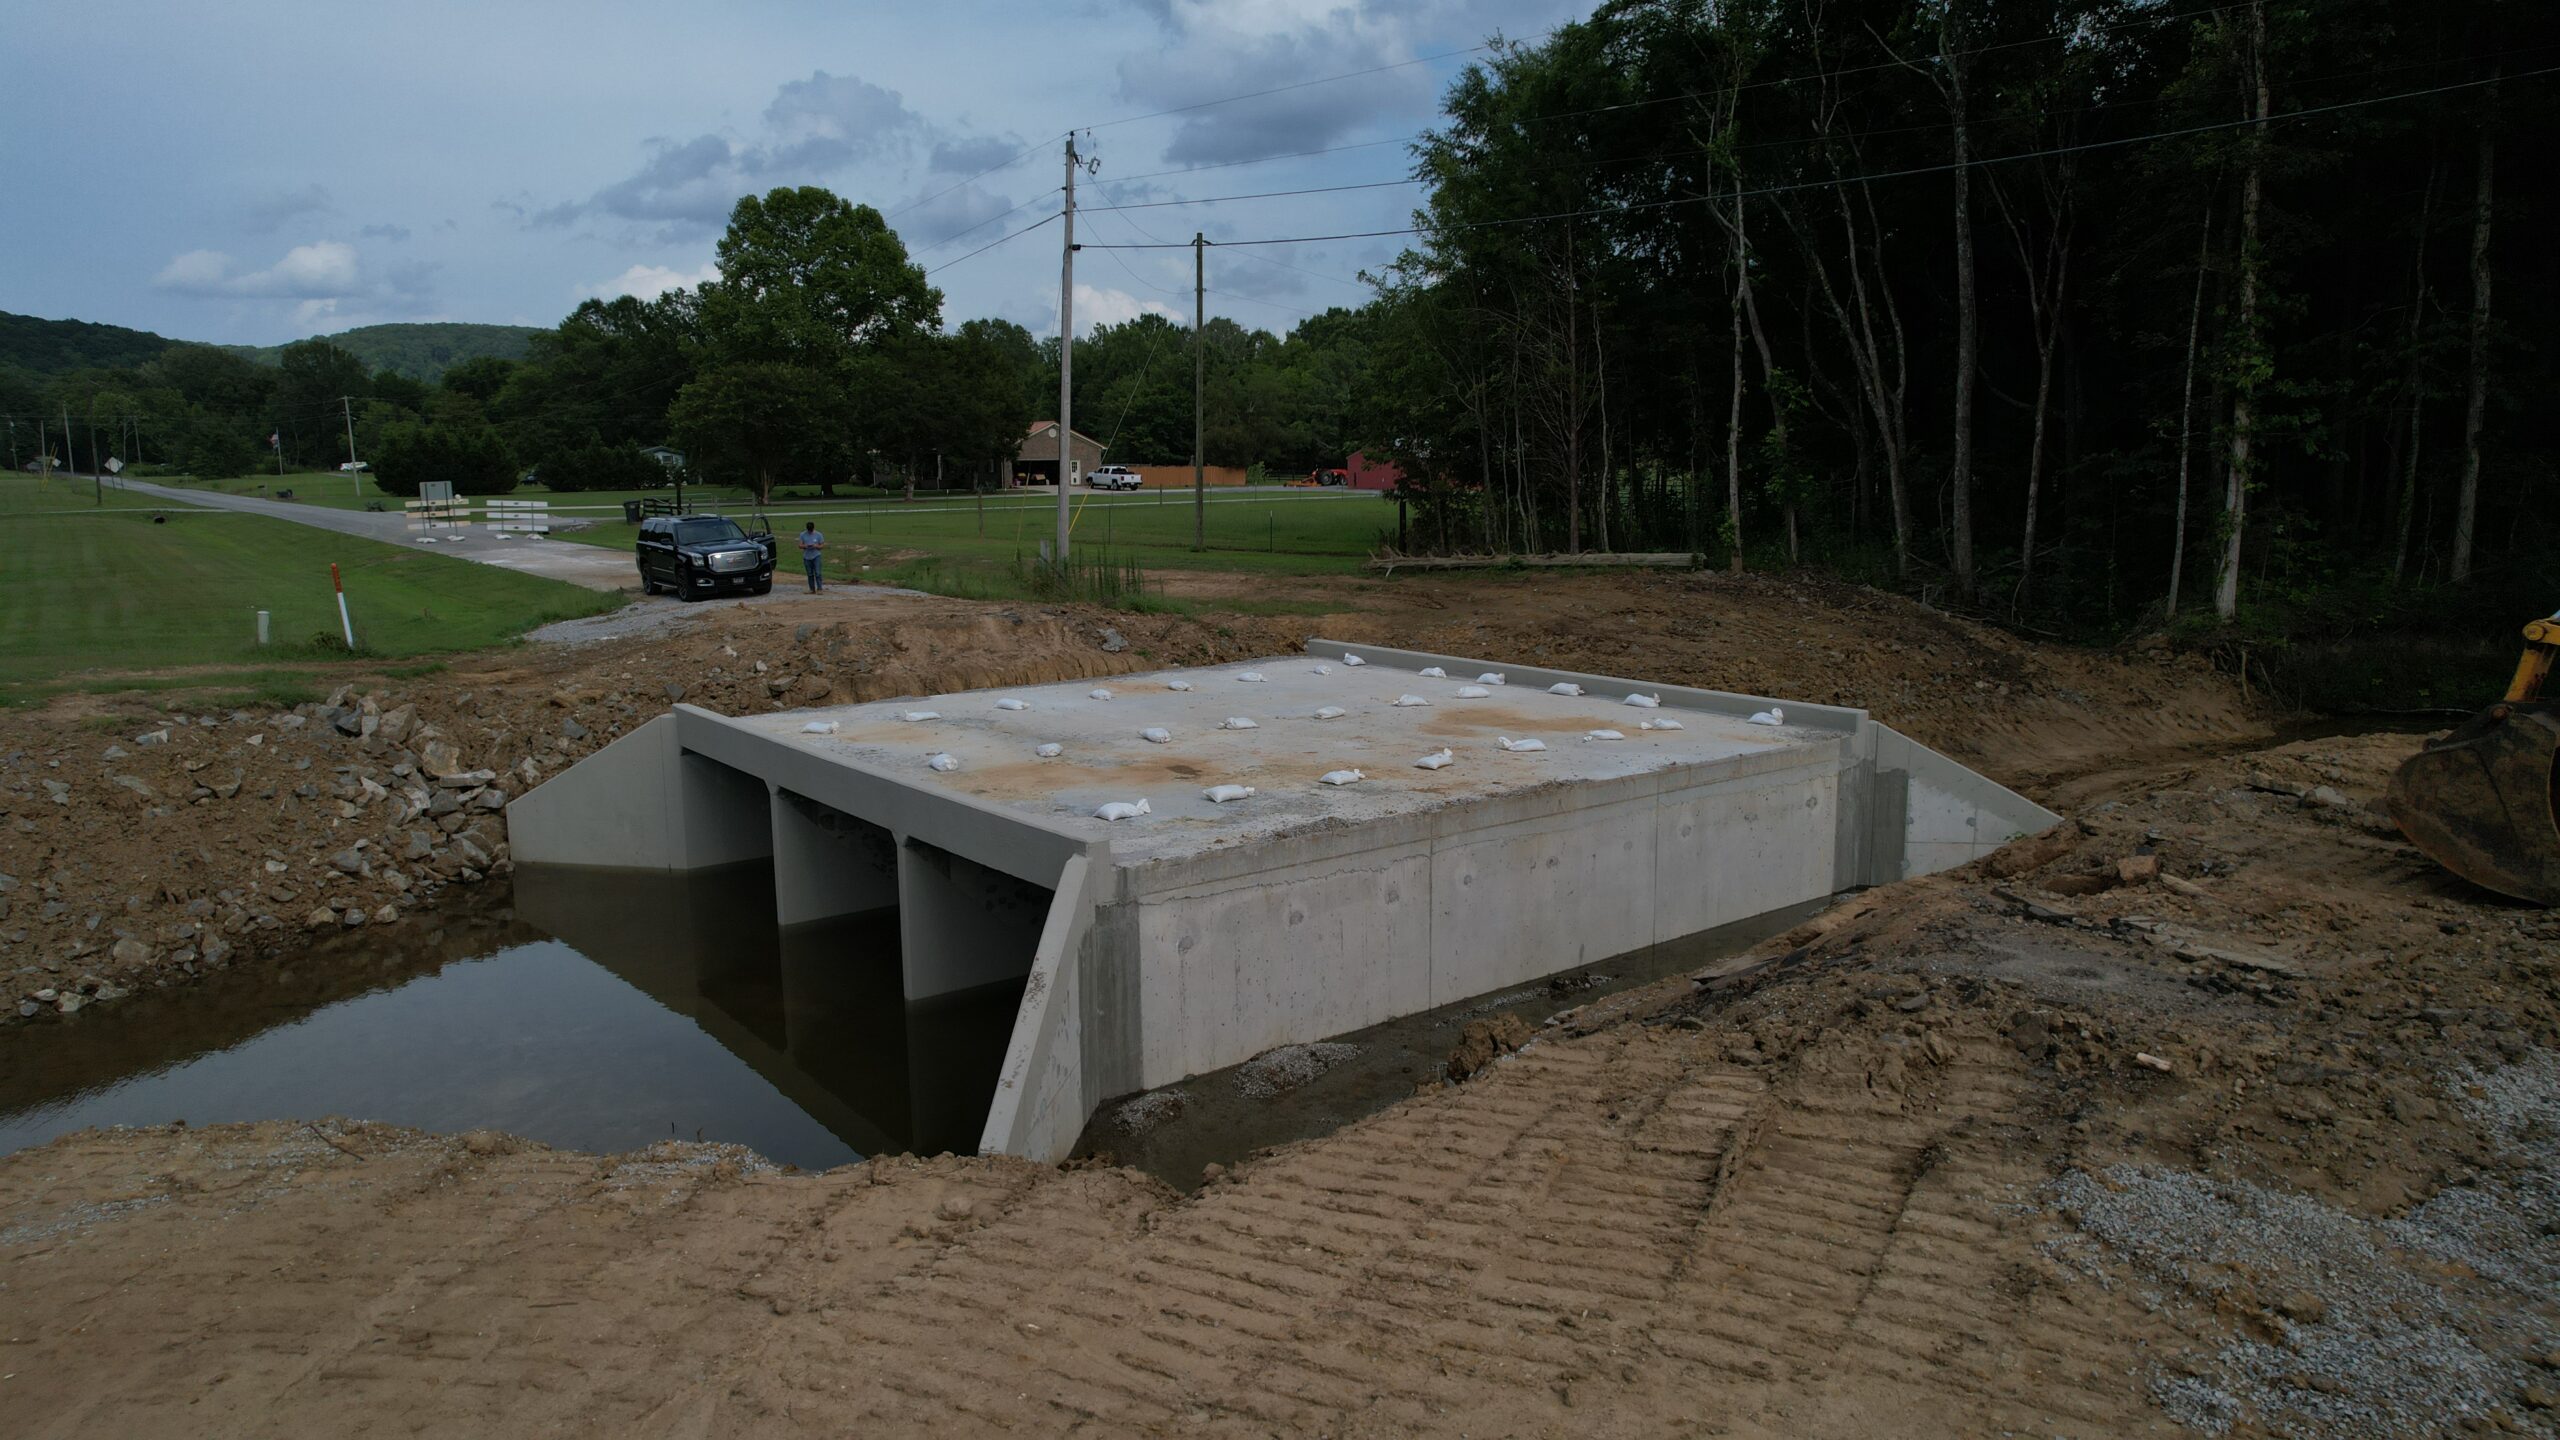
631,512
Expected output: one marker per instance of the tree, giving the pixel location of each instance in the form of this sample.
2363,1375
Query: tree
752,422
470,458
317,380
809,277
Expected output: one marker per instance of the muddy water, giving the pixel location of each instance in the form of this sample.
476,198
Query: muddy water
593,1013
1226,1115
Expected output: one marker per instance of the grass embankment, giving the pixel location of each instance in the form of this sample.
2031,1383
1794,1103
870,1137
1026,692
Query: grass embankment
944,545
113,600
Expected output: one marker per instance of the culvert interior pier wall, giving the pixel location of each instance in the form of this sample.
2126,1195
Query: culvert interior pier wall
1203,934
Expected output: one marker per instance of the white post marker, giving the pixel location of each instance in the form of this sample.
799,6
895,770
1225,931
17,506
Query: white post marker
344,624
262,629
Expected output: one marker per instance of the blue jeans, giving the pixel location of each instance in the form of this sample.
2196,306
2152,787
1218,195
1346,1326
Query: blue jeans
816,568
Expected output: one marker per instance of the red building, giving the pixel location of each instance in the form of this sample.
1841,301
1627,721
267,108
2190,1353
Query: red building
1368,474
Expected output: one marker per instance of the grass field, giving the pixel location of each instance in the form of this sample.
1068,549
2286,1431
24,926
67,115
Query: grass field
936,544
339,492
110,600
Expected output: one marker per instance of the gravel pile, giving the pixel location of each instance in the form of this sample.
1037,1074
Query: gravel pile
1274,1071
2346,1325
1146,1112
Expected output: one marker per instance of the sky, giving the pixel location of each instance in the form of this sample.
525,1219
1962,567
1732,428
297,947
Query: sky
258,171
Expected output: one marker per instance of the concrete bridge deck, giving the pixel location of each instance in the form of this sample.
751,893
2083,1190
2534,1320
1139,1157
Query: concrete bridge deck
1201,934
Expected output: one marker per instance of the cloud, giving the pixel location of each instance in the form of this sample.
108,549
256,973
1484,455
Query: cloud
1217,49
269,213
960,213
383,232
967,155
323,269
324,280
812,130
648,282
828,121
1099,305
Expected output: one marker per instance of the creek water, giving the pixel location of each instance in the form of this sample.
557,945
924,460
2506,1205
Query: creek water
590,1012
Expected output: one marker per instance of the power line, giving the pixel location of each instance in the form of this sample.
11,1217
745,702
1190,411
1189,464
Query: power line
1902,174
990,245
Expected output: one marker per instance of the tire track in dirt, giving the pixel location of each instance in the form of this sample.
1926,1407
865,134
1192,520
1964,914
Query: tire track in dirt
1622,1232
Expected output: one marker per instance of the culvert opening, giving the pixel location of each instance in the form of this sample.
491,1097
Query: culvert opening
591,1010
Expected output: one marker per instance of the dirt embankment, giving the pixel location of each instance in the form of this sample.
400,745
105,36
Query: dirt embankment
2218,1111
142,845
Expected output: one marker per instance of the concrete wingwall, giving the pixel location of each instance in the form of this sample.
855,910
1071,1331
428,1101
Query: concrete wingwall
1047,1090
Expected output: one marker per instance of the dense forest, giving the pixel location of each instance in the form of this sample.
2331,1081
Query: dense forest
2092,309
2088,313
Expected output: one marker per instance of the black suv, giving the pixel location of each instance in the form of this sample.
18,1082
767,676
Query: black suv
696,555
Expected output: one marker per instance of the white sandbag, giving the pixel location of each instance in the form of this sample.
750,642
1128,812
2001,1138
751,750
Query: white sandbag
1237,722
1050,751
1665,723
918,717
944,761
1434,672
1411,700
1225,794
1645,702
1491,677
1330,712
1341,777
1603,735
1177,684
1324,670
1472,692
1771,716
1350,659
1436,759
1250,677
819,727
1564,687
1156,735
1097,694
1520,745
1122,810
1009,703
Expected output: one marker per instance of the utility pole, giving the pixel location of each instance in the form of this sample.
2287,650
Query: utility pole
71,455
1066,352
355,477
1199,391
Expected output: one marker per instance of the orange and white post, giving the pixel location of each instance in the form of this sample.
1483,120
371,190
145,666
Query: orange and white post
345,625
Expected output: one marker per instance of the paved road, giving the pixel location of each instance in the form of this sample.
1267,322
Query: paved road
587,565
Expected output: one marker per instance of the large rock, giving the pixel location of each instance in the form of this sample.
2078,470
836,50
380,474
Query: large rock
439,757
397,724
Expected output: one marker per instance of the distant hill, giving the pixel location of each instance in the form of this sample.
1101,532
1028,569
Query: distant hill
421,352
51,347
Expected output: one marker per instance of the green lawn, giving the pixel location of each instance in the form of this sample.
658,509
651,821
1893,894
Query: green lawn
86,601
936,543
23,495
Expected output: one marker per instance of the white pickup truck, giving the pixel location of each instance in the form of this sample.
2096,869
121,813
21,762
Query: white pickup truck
1114,477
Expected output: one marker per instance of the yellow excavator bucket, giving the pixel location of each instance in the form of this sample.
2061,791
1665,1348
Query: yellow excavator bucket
2484,802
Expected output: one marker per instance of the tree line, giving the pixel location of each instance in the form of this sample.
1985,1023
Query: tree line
2042,304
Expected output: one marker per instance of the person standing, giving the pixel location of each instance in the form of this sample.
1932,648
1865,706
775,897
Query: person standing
813,556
